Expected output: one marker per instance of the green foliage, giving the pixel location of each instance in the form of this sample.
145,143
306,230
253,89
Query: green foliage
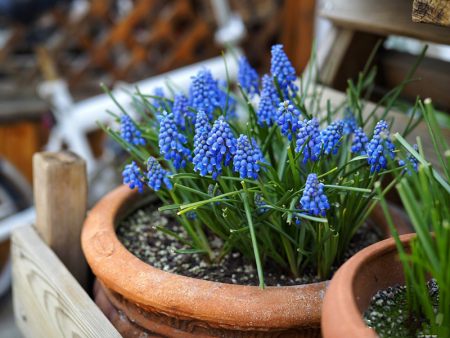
425,195
261,216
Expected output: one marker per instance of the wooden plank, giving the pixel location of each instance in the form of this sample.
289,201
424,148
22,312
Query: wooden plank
298,31
48,301
432,11
60,194
384,17
18,142
433,75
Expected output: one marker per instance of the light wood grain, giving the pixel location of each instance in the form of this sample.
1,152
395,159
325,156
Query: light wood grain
48,301
384,17
60,193
432,11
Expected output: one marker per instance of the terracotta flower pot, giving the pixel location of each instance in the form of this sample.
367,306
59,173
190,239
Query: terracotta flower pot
141,299
355,283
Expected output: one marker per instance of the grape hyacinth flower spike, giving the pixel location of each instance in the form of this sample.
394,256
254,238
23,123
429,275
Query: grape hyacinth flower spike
181,112
411,160
308,140
360,141
282,69
156,175
129,132
219,150
201,149
350,124
248,77
314,201
171,142
380,148
205,94
288,118
245,162
133,176
268,102
331,137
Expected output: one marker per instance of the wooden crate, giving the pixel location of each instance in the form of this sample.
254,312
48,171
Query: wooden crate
49,271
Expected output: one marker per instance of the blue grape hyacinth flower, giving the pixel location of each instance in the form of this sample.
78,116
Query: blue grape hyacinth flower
282,69
360,141
129,131
201,148
171,142
380,148
181,112
245,162
331,137
288,118
133,176
248,77
308,140
314,201
411,161
205,94
156,175
350,124
266,113
158,102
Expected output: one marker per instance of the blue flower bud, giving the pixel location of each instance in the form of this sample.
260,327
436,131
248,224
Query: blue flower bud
282,69
331,137
129,131
380,148
248,77
288,118
245,162
314,201
360,141
156,175
308,140
133,176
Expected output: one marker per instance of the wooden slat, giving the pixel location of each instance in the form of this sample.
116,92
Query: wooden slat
60,195
48,301
384,17
432,11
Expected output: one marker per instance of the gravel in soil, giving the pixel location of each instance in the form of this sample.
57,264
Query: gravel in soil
388,313
139,235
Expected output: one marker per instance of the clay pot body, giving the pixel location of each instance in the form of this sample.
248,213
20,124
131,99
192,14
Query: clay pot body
138,298
355,283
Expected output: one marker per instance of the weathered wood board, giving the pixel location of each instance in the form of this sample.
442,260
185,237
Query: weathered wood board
48,301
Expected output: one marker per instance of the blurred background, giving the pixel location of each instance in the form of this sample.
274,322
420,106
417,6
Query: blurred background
55,53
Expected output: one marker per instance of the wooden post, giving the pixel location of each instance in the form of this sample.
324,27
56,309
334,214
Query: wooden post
60,194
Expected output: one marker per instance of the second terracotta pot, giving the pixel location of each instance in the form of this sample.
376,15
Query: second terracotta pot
350,291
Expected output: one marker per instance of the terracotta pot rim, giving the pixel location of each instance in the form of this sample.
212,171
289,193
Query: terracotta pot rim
341,297
177,295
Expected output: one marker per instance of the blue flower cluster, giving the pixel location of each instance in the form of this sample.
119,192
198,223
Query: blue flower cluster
205,94
282,69
133,177
411,161
219,149
181,112
359,143
268,103
380,148
171,142
129,131
156,175
248,77
350,124
314,201
288,118
201,148
331,137
159,102
308,140
247,156
260,204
